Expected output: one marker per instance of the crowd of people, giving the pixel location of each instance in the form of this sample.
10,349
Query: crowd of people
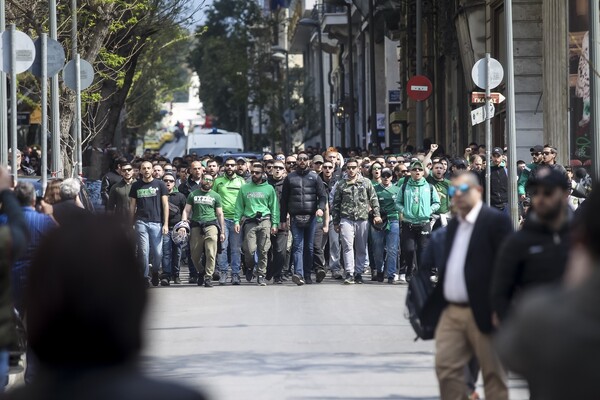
309,216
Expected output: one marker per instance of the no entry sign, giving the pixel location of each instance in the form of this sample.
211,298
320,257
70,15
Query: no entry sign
419,88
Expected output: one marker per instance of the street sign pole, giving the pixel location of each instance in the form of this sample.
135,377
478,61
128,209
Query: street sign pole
44,57
13,99
3,98
54,102
510,118
78,114
419,109
488,130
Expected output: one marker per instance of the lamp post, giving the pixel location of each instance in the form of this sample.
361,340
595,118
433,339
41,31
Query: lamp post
281,54
315,24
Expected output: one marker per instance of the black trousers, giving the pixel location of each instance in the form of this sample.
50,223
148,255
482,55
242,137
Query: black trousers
414,239
277,255
321,239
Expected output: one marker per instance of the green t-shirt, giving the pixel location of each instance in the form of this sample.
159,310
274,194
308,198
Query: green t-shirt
204,205
387,200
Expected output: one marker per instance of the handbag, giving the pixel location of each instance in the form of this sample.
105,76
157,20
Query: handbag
302,221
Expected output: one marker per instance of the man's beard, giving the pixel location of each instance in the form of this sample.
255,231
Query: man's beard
257,179
206,188
551,214
230,173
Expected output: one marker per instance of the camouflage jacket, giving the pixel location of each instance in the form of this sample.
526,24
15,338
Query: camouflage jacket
354,200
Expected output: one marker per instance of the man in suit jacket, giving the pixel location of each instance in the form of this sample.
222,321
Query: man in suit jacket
461,300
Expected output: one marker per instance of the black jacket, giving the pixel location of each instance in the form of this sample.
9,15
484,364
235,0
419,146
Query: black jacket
303,193
498,185
278,186
177,203
109,180
490,230
531,257
188,187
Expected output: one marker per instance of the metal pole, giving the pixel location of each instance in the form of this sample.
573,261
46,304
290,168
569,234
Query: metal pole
288,135
322,89
54,101
510,118
488,130
351,115
77,127
419,33
595,87
44,57
3,98
13,100
73,27
374,133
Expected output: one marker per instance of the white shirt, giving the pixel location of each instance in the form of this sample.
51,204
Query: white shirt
455,286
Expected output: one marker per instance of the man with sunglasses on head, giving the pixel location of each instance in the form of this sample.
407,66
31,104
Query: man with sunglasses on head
537,160
257,214
353,198
537,254
228,187
171,252
305,199
460,307
417,201
278,254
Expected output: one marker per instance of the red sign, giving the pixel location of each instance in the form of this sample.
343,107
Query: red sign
419,88
479,98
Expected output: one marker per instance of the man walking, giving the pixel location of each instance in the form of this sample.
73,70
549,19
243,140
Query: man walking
118,198
529,170
192,183
438,180
417,201
204,210
149,206
305,199
278,252
172,251
228,187
257,205
354,197
461,299
498,181
333,239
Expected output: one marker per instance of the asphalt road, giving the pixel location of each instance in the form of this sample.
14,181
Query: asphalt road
326,341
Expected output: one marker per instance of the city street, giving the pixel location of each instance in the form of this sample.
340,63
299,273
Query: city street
326,341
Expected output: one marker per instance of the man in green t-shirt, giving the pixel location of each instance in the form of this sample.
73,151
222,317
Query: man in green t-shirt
207,223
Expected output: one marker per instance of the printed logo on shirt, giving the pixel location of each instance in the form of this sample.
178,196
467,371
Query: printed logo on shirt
207,200
255,195
148,192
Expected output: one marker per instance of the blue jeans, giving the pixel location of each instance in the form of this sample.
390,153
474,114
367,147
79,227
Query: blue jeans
149,241
233,240
303,239
391,238
171,256
3,369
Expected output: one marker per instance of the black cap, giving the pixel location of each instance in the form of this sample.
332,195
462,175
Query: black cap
549,177
536,149
386,173
497,150
460,162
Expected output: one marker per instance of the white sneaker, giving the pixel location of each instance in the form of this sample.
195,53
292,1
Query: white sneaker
433,278
395,277
402,279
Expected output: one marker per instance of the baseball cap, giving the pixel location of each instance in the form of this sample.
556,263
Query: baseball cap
172,175
460,162
416,164
386,173
549,177
497,150
241,159
536,149
317,159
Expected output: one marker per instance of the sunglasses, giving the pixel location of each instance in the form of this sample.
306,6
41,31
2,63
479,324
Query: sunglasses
302,158
168,181
269,167
535,154
290,163
327,167
547,153
278,168
126,169
464,188
229,165
377,169
404,171
393,162
417,169
542,192
352,167
256,172
207,180
386,176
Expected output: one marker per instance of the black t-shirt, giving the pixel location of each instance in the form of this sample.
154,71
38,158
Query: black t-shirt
148,199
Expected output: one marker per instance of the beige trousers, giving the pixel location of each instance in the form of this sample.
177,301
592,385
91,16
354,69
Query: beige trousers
457,339
204,241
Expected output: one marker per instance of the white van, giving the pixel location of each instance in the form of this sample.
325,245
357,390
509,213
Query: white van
213,141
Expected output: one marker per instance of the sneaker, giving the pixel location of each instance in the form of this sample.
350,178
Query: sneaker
177,281
373,276
223,278
297,279
391,280
217,276
164,282
380,276
249,275
349,279
321,275
336,275
402,279
358,279
308,280
154,279
261,281
235,279
193,280
278,280
208,282
433,278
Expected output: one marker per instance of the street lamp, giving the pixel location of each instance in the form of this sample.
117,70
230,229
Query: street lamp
315,24
280,54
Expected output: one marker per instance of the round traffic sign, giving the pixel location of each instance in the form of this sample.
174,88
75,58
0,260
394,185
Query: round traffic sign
24,52
86,73
55,55
478,73
419,88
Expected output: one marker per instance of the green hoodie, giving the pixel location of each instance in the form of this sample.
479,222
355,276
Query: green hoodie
228,189
420,200
253,199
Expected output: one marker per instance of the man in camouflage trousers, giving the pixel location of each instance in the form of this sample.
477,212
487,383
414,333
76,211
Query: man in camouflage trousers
354,197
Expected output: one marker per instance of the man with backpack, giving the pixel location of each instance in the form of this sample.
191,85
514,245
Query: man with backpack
417,201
